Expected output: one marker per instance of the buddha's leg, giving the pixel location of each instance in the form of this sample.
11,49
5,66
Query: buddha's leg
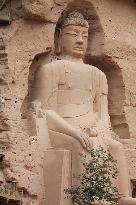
117,151
59,140
123,181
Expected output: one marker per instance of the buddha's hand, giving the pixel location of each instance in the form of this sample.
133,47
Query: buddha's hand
84,139
91,132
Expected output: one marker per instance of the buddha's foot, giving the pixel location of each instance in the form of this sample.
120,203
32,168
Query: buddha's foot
127,201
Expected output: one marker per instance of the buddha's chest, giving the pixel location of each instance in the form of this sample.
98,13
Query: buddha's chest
75,86
76,77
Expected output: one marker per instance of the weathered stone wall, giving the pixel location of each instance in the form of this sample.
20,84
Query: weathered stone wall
32,33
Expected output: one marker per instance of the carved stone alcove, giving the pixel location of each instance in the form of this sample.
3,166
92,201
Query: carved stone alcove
116,97
95,57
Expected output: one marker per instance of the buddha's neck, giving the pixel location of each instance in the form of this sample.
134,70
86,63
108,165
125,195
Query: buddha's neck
71,58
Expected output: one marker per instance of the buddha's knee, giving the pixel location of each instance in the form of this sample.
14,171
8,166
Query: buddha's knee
127,201
115,145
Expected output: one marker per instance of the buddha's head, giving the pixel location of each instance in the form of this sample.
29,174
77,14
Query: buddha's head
73,36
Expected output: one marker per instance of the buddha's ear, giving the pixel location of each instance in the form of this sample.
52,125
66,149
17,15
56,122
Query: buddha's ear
57,41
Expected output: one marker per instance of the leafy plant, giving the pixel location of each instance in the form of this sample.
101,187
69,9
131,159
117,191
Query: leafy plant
96,180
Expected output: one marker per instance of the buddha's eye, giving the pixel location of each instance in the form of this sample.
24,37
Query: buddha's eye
85,35
71,33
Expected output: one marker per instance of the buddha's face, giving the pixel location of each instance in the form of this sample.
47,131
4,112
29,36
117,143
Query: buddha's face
74,41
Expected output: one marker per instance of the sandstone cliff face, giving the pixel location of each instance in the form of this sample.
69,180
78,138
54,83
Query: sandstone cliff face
30,36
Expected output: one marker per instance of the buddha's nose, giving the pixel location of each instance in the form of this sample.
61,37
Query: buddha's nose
79,39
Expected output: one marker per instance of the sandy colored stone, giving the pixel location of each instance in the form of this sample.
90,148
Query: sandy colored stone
57,160
43,10
38,9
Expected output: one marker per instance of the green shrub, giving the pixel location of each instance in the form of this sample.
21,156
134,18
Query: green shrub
96,180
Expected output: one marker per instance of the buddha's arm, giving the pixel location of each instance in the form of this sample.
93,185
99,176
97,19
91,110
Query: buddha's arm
42,89
103,108
102,101
58,124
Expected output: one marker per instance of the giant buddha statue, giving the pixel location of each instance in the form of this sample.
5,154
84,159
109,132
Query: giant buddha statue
73,97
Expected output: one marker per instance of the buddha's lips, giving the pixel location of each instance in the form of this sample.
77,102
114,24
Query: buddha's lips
78,48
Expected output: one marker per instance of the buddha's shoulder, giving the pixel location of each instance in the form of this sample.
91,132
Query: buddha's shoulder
95,70
54,65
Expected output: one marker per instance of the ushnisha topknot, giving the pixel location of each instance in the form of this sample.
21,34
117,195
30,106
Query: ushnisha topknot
75,18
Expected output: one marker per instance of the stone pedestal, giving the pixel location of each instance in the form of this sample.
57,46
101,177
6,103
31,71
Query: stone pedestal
57,176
